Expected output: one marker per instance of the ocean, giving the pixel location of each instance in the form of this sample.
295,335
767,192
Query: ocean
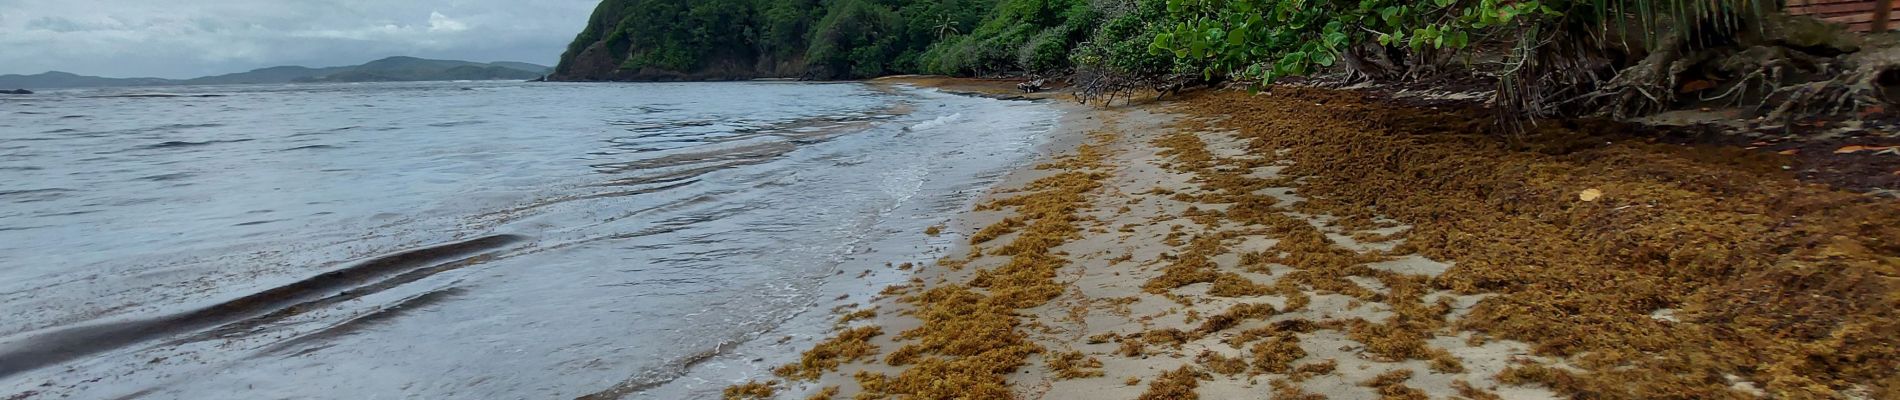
491,240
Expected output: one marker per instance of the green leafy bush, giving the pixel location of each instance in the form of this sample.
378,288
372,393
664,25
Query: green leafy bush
1121,42
855,38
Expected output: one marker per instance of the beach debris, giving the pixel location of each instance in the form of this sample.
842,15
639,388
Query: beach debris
1032,86
1174,385
1075,365
751,390
1590,195
1697,86
1859,148
849,346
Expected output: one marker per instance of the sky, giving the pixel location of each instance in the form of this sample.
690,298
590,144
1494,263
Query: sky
191,38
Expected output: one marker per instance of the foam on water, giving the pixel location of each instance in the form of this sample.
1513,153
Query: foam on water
936,123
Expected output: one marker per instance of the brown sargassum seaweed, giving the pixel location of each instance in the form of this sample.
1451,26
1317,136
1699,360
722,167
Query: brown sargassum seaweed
1764,278
969,339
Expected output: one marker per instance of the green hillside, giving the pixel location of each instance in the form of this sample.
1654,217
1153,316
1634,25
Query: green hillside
831,39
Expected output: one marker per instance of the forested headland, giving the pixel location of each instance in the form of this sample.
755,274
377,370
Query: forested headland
841,39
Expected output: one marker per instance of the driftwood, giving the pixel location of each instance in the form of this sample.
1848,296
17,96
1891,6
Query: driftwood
1032,86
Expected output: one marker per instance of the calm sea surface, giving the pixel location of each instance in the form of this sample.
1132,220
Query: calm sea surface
464,240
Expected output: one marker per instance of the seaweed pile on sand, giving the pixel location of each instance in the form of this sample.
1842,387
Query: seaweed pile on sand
1310,244
970,336
1645,270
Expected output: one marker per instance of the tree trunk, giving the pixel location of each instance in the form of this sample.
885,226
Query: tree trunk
1881,10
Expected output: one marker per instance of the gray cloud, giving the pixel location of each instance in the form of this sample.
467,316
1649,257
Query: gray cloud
188,38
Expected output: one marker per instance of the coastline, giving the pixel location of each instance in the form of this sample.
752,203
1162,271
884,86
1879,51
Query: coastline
1231,246
1098,338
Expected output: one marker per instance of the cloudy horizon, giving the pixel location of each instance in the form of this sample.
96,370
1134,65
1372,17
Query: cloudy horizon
187,39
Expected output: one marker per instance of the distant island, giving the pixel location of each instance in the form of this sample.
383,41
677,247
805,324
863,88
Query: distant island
393,69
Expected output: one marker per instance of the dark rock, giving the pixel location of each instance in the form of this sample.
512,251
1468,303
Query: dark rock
16,91
1033,85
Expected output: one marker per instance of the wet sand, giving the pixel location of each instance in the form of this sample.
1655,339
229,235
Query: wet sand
1108,335
1316,244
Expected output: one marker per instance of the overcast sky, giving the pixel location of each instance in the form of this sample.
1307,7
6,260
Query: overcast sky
190,38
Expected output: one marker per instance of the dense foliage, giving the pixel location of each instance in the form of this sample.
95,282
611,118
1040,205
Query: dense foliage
1266,39
1261,39
1547,55
845,38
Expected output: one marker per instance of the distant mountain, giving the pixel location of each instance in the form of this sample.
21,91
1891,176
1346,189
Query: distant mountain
393,69
267,75
58,79
401,69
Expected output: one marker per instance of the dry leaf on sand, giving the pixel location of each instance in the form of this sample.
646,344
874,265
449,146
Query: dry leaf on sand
1859,148
1590,195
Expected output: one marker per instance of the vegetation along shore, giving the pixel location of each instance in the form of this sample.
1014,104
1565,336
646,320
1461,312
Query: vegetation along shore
1387,199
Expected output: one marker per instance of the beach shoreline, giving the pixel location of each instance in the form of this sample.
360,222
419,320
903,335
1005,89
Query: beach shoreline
1230,245
1132,230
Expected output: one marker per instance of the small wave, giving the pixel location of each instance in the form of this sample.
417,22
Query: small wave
664,373
153,96
188,126
166,177
452,124
649,126
327,131
5,193
375,317
72,116
312,147
33,195
253,223
244,314
935,123
33,192
62,130
181,143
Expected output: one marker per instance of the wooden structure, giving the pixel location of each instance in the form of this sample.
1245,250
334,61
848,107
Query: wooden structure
1858,15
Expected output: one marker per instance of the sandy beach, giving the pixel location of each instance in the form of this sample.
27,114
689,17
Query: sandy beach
1212,247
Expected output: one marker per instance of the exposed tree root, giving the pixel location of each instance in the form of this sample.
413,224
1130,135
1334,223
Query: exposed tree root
1649,86
1785,67
1374,62
1094,86
1861,86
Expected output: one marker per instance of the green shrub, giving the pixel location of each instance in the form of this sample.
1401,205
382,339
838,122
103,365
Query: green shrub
854,39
